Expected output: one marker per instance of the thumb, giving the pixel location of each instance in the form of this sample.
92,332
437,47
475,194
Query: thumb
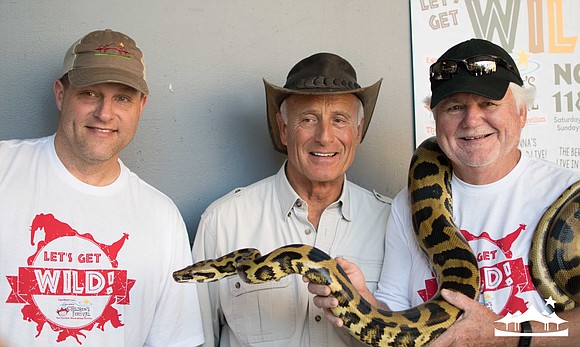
456,299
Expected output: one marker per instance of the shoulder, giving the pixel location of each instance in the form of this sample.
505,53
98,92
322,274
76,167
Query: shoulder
243,195
22,145
552,172
147,194
359,193
20,153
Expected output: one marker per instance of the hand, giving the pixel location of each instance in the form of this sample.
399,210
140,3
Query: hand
322,298
475,327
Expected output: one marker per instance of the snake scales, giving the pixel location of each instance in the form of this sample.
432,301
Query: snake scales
449,254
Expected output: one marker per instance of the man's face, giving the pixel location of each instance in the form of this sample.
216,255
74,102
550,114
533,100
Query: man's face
96,122
321,135
479,133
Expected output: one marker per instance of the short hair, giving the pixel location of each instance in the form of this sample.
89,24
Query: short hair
524,96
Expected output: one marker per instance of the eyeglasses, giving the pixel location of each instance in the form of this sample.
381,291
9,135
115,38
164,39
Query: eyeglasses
478,65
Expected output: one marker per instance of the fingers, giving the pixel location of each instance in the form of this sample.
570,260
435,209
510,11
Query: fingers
319,289
337,322
321,295
325,301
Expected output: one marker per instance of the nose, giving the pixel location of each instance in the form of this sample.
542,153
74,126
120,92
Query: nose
104,110
473,117
324,132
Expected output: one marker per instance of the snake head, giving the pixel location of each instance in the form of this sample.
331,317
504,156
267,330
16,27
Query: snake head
183,275
192,273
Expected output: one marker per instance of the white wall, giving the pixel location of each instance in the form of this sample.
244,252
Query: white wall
203,131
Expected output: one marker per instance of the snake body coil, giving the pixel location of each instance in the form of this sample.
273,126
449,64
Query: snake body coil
449,254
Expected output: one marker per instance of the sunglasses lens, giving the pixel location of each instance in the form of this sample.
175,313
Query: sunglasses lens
443,70
477,66
481,67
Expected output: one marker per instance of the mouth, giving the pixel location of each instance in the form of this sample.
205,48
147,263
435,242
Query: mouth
324,155
472,138
101,130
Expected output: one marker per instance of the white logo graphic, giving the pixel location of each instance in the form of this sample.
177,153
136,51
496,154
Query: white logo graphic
532,314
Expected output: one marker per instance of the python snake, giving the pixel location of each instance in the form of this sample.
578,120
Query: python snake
450,256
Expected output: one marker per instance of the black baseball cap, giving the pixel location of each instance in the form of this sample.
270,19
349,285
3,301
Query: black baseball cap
493,85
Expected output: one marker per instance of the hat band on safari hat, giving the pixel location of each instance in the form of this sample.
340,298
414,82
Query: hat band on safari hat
105,56
319,74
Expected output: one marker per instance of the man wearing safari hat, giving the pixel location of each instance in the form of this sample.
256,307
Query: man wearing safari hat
318,119
86,247
499,194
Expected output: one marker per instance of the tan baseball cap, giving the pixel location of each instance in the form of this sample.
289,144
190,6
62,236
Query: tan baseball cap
105,56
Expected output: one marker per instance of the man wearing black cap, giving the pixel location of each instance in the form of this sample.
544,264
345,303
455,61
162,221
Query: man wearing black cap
318,119
86,247
499,194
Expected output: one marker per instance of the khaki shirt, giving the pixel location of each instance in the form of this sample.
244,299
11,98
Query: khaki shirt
267,215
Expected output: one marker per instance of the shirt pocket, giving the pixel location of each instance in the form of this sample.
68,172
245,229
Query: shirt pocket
262,312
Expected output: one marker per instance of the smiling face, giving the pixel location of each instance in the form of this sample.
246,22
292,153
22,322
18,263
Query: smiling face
321,133
480,135
96,123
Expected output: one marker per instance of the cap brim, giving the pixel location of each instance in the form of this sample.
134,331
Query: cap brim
89,76
275,95
486,86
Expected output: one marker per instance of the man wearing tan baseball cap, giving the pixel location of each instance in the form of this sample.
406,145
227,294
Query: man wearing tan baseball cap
88,246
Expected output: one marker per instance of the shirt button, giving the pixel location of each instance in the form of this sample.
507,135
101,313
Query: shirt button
298,203
237,285
307,231
317,318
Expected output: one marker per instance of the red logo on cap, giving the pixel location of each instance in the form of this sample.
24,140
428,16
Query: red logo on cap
114,49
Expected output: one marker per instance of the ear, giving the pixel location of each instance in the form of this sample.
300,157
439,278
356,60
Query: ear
523,116
143,102
360,129
282,129
58,89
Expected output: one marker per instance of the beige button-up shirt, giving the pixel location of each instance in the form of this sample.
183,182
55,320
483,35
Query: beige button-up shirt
267,215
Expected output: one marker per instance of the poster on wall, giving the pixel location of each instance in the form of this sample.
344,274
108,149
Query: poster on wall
542,38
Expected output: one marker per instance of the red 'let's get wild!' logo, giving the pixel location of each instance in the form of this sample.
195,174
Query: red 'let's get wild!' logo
71,282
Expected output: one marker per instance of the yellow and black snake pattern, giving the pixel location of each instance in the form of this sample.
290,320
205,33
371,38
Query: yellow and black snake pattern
449,254
555,253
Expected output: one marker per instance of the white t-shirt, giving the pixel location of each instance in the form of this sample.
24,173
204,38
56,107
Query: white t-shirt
497,219
85,264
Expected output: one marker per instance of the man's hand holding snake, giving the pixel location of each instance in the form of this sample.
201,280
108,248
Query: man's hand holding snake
325,301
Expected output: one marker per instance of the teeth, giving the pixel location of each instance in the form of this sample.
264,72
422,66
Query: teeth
104,130
474,137
323,154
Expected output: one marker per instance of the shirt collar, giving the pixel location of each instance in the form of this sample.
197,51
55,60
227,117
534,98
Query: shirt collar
288,197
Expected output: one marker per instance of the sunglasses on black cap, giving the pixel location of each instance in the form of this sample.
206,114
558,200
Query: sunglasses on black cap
477,65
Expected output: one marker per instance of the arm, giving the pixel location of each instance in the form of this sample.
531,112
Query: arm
476,327
177,320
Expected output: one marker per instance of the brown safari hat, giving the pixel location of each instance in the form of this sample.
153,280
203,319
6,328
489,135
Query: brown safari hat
105,56
321,73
